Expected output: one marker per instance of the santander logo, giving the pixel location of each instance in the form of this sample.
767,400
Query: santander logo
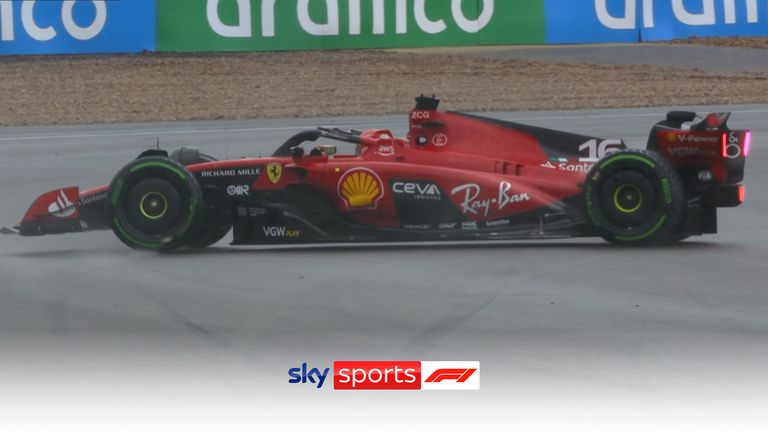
62,207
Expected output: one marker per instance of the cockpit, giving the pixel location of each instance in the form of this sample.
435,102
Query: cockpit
380,142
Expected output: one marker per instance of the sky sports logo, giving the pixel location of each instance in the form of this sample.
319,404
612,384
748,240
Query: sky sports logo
392,375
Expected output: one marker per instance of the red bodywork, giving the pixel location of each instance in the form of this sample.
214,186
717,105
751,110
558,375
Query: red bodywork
487,171
454,175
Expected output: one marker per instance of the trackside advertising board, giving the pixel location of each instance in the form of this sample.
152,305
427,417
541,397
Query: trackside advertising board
594,21
681,19
261,25
83,26
118,26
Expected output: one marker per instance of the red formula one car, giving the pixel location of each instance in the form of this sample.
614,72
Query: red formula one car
454,177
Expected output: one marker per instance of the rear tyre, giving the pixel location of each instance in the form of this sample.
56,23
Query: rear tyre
156,204
635,197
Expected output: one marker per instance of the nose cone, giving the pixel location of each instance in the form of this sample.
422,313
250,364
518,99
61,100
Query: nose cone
54,212
54,205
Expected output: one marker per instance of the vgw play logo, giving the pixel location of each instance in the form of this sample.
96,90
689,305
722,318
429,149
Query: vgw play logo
330,24
391,375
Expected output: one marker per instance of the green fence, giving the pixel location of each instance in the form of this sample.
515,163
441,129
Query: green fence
265,25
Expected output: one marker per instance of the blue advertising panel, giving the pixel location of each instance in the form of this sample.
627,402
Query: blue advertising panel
592,21
76,26
677,19
595,21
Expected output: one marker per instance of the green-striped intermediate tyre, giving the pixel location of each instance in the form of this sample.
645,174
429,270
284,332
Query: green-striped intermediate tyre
215,222
155,204
214,226
635,197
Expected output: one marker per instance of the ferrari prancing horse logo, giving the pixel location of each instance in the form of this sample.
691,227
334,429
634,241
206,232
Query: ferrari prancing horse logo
274,172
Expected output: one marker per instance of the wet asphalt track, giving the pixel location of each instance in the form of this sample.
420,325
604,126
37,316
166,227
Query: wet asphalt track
546,319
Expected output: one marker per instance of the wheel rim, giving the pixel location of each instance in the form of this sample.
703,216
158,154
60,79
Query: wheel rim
627,198
153,205
635,197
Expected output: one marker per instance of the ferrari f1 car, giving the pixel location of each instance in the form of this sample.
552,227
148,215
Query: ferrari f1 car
455,176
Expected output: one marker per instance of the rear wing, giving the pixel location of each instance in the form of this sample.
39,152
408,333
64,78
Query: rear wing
708,154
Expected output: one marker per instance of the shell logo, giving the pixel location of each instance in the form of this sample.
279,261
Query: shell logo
672,137
361,188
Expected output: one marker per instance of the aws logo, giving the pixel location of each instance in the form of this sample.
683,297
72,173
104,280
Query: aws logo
360,188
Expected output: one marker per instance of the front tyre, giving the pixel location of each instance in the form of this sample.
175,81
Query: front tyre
213,228
635,197
156,204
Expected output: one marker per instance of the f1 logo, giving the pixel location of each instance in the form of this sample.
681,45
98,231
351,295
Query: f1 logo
450,375
406,375
458,375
